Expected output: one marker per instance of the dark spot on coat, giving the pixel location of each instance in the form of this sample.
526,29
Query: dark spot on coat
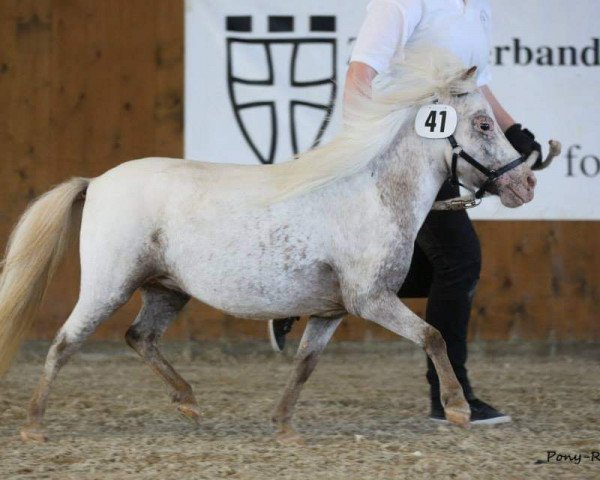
306,366
152,337
132,337
434,342
157,237
22,173
61,346
3,68
127,106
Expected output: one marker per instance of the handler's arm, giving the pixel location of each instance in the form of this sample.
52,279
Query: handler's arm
520,138
358,80
505,121
386,28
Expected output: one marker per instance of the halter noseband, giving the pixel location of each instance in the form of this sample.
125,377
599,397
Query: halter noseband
492,175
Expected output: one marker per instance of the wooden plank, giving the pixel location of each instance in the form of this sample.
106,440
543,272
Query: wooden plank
540,281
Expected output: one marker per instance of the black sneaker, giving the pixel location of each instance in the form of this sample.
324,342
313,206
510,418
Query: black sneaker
278,329
481,413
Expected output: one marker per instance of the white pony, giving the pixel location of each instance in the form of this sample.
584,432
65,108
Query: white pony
327,234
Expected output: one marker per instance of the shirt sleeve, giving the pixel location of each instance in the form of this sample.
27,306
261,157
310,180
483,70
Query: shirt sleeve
386,28
485,76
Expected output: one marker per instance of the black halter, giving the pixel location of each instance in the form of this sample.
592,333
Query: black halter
492,175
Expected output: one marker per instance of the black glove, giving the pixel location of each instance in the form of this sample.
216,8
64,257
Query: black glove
524,142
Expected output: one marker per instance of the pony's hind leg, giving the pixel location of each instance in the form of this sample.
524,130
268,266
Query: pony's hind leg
159,309
316,336
84,319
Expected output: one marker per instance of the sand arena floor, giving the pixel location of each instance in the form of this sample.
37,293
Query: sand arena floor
363,415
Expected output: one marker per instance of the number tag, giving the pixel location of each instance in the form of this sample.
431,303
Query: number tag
436,121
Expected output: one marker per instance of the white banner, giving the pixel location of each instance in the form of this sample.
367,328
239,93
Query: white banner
262,76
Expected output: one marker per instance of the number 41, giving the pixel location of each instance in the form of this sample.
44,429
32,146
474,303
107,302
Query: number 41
431,121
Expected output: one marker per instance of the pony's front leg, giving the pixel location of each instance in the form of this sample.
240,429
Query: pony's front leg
387,310
316,336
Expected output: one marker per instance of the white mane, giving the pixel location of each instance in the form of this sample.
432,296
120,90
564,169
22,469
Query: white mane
370,125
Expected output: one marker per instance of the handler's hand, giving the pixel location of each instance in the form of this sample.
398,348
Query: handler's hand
524,142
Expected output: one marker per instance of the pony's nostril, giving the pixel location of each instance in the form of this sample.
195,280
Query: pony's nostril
531,180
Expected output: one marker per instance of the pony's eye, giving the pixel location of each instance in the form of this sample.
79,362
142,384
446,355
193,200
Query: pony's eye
485,127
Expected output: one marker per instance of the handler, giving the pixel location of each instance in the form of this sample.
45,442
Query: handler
447,259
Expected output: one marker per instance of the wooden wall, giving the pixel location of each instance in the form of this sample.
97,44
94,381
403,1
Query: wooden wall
87,84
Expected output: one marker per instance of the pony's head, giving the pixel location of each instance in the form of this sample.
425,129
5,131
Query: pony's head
425,76
477,154
481,141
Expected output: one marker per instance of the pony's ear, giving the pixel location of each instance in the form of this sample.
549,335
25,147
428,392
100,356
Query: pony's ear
469,73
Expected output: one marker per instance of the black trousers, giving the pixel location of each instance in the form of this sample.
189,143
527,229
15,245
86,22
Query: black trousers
445,268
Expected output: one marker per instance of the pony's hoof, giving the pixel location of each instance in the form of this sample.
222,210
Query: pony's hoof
290,438
457,410
190,412
458,417
31,433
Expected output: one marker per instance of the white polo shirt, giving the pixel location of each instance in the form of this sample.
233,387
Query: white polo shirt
461,26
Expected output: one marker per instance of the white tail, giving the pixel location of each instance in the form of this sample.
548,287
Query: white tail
34,250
